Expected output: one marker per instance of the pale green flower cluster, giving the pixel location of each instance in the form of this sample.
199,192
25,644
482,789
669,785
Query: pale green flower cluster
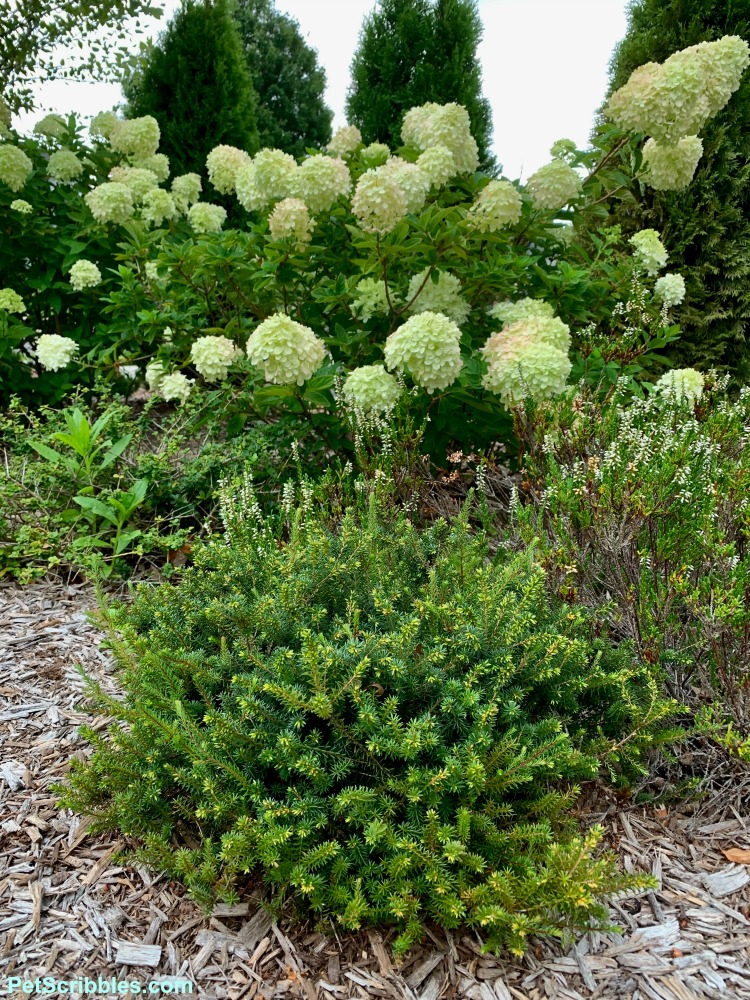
379,202
186,189
320,181
497,205
671,168
63,165
345,141
412,180
11,301
138,180
370,299
15,166
267,178
158,205
212,357
110,202
442,125
670,289
682,384
438,164
206,218
649,251
563,149
102,124
158,164
554,185
441,297
51,126
54,352
223,164
510,312
19,205
152,271
136,137
519,368
287,352
427,346
84,274
175,386
154,374
371,390
375,154
290,219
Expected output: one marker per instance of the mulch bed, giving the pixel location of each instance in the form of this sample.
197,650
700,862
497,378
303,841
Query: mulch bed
66,910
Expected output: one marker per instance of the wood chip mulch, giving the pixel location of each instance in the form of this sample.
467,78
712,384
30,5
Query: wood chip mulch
66,910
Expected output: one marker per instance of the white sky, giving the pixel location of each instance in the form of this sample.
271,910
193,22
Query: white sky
544,66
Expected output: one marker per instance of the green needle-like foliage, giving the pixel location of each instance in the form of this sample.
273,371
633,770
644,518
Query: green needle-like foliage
382,721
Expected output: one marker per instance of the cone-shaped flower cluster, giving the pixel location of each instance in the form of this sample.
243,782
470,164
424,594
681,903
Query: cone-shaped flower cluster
287,352
371,390
54,352
441,297
427,346
84,274
212,357
682,384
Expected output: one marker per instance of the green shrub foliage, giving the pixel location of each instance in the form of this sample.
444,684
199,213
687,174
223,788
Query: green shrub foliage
386,723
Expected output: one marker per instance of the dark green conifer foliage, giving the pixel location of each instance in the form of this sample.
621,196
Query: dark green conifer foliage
196,83
706,228
290,84
414,51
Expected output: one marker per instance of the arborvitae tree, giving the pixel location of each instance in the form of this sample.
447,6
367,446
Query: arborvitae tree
706,228
292,114
196,83
414,51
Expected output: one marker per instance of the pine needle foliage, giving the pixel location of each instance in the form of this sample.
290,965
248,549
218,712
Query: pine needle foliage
383,721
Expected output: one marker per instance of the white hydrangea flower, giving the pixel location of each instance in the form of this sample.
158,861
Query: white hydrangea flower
371,390
84,274
206,218
320,181
439,165
287,352
129,371
370,299
102,124
249,194
412,180
540,330
158,205
138,180
670,289
375,154
110,202
290,219
443,297
509,312
15,166
136,137
154,374
11,301
649,251
553,186
212,357
186,189
497,205
671,168
158,164
682,384
54,352
64,166
379,202
442,125
520,366
19,205
175,386
274,173
563,149
345,140
427,346
52,126
152,272
223,163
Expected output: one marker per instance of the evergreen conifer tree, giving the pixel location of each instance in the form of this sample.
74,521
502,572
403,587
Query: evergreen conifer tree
196,83
414,51
706,227
291,112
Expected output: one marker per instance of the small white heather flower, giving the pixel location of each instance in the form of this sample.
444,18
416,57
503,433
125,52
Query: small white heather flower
54,352
15,166
379,202
345,140
671,168
110,202
186,189
682,384
553,186
497,205
212,357
223,163
176,386
287,352
320,181
427,346
136,137
139,181
102,124
84,274
371,390
290,219
51,126
206,218
438,164
11,301
443,297
64,166
158,205
19,205
670,289
375,154
412,180
370,299
510,312
649,251
154,375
